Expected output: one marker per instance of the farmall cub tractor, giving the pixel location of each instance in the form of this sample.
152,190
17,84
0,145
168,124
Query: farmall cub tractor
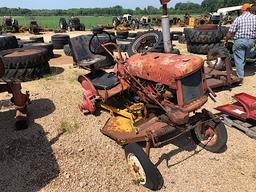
153,98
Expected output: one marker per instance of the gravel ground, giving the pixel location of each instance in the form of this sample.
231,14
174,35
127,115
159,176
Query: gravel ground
43,158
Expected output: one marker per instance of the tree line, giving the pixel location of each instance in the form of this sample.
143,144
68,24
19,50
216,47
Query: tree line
180,8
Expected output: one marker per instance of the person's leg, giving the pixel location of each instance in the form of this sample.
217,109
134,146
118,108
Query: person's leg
239,51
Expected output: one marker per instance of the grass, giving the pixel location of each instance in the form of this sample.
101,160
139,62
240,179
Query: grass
66,127
53,21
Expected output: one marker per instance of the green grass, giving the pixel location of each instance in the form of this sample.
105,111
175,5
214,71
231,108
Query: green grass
53,21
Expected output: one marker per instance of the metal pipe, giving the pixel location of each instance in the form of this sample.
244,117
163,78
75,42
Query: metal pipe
166,30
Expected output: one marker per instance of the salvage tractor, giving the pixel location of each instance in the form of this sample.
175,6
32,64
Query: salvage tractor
152,98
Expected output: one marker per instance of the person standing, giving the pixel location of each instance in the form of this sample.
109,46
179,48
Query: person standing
244,32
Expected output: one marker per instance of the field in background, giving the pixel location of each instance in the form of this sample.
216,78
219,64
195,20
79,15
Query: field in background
53,21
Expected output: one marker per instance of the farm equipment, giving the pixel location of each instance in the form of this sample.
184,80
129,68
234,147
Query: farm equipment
126,21
10,24
34,28
241,115
73,24
150,97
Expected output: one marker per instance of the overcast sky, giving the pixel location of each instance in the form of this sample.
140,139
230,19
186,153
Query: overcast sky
64,4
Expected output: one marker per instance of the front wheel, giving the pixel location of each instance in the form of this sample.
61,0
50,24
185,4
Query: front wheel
144,171
211,136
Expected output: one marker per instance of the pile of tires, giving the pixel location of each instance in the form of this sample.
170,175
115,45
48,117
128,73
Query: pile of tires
24,64
59,40
201,41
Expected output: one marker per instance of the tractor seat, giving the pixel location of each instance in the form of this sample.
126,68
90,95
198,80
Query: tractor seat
103,80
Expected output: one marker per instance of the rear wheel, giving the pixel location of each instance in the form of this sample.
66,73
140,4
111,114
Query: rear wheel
211,136
144,171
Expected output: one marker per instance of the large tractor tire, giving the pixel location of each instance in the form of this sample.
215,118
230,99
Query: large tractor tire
24,64
60,40
22,42
202,48
8,42
203,36
47,46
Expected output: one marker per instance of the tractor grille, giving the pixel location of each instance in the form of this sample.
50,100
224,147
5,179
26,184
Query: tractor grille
191,86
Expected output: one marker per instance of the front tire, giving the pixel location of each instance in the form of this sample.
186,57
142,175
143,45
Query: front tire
211,136
143,170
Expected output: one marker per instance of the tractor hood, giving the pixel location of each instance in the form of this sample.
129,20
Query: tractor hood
163,68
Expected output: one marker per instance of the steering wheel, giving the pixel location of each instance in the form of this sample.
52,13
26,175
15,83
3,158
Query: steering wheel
95,41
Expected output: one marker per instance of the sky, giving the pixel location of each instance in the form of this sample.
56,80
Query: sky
65,4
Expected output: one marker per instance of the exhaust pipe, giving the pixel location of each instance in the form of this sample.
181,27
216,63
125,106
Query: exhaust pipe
166,30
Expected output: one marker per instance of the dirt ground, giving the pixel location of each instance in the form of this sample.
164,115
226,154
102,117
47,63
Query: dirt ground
63,150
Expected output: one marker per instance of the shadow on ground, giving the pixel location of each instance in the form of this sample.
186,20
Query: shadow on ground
27,161
184,143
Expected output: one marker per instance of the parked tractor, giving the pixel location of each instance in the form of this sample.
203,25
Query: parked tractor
127,21
73,24
34,28
10,24
152,99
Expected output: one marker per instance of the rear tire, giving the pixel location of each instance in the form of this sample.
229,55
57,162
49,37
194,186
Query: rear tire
144,171
211,136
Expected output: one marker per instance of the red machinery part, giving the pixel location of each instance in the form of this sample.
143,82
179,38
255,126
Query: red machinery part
246,111
89,95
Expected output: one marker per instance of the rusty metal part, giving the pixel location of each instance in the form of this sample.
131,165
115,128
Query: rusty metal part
216,78
163,68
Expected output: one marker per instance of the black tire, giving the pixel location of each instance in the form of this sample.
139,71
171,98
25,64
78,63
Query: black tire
82,27
60,40
202,48
203,36
122,34
24,64
182,39
47,46
63,23
67,50
154,179
37,39
8,42
153,43
218,132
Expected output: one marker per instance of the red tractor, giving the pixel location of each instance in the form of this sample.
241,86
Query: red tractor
153,98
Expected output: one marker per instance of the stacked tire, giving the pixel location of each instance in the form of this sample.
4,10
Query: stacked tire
201,41
24,64
48,46
60,40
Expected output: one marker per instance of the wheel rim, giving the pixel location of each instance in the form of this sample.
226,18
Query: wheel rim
207,135
145,43
136,168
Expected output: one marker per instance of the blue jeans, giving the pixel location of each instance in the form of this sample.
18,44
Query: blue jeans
241,50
